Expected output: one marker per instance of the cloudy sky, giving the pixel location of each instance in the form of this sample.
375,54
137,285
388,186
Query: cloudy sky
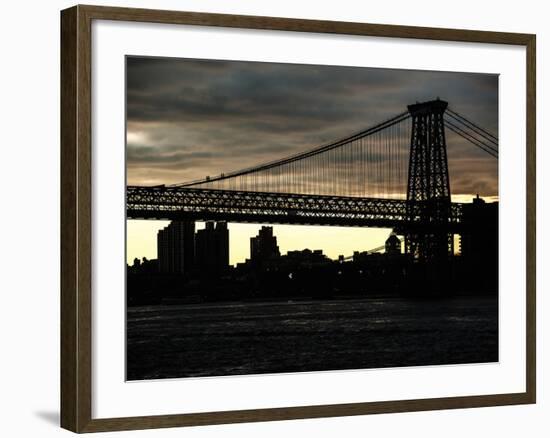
191,118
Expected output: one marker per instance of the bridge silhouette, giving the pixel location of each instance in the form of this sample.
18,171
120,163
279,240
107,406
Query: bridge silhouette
391,175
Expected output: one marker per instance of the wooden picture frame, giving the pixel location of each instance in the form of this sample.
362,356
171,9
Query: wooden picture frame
76,218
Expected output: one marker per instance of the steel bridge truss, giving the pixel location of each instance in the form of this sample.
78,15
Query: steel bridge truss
179,203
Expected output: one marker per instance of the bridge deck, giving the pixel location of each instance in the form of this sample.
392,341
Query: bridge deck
173,203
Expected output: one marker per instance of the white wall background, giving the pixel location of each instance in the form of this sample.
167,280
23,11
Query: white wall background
29,217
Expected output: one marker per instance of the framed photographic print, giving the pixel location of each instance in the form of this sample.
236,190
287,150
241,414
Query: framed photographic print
267,218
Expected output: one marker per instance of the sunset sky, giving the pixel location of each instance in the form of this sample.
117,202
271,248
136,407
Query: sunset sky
191,118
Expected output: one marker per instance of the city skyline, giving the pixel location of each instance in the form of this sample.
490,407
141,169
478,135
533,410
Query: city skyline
203,254
190,118
334,239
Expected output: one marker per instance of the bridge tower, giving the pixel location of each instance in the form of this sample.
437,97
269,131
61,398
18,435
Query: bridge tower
428,190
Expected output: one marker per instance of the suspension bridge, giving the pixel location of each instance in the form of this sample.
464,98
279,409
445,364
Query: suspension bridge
392,175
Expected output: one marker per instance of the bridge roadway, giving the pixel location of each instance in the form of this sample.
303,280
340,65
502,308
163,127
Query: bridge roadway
178,203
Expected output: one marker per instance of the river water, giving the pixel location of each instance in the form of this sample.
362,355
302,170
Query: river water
252,338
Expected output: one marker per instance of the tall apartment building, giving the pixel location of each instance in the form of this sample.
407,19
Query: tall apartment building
212,248
176,247
479,244
264,246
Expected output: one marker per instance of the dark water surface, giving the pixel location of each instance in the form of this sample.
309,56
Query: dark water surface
252,338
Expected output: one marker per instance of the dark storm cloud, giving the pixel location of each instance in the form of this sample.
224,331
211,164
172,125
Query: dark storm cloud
191,118
170,154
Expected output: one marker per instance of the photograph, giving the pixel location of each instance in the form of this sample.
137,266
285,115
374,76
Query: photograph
291,218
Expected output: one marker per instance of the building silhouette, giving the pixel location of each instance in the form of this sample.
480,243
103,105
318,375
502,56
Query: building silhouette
479,244
176,247
304,258
212,248
263,247
393,245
